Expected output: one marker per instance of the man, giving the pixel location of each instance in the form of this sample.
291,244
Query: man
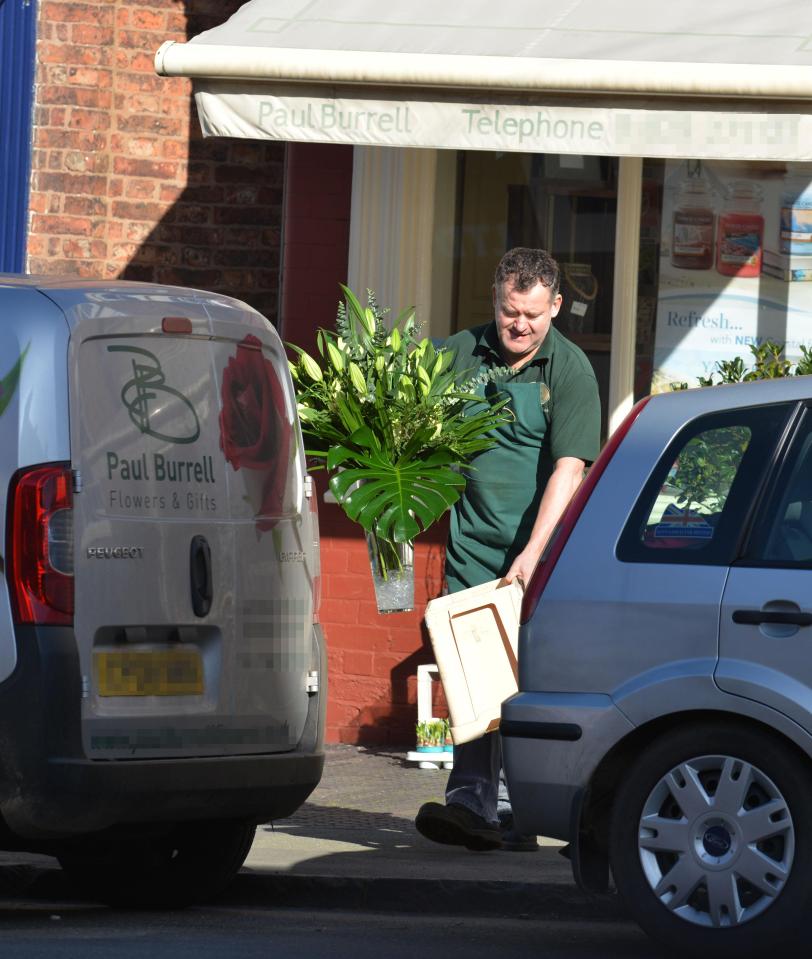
514,495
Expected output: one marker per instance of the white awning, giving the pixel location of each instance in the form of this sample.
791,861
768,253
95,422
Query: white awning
698,79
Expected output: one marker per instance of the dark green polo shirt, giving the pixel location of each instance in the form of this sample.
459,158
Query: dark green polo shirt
573,408
556,413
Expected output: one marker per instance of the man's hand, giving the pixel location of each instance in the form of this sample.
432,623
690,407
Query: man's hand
564,481
522,567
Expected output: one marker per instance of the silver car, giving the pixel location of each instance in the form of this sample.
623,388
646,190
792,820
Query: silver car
663,725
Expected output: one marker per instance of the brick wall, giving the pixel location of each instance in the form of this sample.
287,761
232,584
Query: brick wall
123,185
373,659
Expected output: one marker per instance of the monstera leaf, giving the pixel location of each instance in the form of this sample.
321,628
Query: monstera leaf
396,500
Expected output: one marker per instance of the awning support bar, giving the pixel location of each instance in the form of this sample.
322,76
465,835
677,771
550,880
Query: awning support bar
529,74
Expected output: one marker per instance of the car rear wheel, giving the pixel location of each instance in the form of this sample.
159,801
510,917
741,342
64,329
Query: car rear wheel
190,863
711,840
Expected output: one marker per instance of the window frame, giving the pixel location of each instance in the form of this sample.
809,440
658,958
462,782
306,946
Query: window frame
773,495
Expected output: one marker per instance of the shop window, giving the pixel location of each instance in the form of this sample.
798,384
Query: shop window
725,265
565,204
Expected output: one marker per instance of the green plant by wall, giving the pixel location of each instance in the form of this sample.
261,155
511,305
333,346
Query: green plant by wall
769,363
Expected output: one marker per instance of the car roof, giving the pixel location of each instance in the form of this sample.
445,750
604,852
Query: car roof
70,292
46,282
708,399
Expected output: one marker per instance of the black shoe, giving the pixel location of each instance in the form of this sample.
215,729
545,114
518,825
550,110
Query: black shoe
512,839
515,841
456,825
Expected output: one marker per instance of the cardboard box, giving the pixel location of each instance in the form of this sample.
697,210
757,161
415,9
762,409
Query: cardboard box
474,634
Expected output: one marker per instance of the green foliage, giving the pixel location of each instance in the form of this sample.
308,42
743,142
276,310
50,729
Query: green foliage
769,363
708,463
381,409
804,366
433,732
707,466
731,371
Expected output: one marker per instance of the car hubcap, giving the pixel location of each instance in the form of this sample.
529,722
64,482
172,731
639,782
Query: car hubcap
716,841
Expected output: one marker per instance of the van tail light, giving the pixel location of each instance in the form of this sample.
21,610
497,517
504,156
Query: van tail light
312,494
555,546
40,547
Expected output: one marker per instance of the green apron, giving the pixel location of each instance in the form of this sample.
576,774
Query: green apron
492,521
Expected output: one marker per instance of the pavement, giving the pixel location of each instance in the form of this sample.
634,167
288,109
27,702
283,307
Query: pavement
354,845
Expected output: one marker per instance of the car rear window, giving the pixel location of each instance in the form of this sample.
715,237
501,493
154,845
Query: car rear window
696,504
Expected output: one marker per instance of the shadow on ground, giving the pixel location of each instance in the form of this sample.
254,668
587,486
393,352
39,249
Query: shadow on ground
359,826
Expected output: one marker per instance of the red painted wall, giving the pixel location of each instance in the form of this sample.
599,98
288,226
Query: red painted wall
373,659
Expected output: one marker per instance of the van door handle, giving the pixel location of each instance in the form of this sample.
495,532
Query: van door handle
755,617
200,575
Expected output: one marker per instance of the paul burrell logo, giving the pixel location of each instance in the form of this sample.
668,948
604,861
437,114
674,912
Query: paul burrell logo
146,394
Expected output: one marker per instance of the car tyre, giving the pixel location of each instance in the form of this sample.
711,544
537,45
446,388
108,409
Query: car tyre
757,866
190,863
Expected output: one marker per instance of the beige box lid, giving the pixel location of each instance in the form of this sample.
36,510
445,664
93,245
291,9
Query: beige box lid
474,635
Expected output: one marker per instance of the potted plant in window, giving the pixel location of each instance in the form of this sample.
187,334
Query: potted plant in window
382,410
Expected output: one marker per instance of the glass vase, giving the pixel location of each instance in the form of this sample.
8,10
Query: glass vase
392,567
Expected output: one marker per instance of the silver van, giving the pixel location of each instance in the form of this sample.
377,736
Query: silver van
162,671
663,725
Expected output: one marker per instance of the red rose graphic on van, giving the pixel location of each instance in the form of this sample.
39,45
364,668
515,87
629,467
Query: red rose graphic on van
255,434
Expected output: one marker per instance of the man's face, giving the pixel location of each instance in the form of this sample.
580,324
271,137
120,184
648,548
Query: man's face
523,320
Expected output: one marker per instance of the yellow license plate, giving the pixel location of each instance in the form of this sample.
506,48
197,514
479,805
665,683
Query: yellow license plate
165,672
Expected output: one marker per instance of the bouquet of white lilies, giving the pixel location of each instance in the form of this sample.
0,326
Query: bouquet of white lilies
385,413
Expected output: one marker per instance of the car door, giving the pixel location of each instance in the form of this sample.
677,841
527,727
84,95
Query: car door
765,634
644,608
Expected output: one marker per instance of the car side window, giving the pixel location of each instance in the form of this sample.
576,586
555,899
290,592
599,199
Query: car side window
784,535
687,511
699,495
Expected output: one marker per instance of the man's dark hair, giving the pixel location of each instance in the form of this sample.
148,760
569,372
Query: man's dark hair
526,267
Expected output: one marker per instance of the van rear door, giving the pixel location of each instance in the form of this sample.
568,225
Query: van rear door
194,554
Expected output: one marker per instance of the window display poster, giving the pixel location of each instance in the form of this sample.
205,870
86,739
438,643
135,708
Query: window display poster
735,265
